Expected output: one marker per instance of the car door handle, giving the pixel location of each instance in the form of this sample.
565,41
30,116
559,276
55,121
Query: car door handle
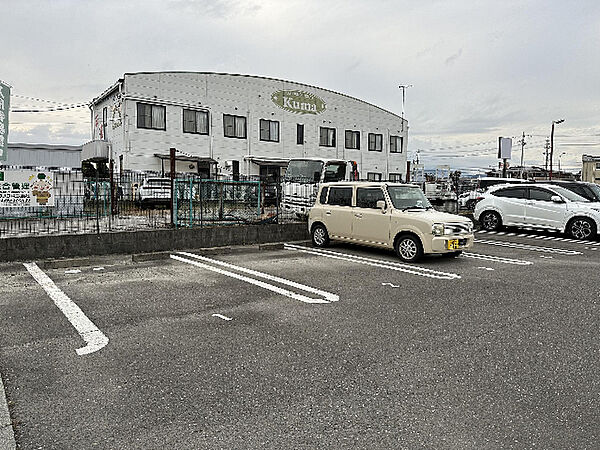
327,213
358,215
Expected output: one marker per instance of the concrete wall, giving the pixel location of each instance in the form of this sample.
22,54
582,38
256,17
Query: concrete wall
67,246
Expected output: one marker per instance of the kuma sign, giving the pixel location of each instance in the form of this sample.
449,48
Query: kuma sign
298,102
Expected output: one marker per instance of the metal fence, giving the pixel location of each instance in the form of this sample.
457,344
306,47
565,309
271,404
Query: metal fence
97,205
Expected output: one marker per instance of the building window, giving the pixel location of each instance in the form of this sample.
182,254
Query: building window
300,134
396,177
597,166
373,176
195,121
326,137
375,142
269,130
395,144
234,126
104,122
151,116
353,139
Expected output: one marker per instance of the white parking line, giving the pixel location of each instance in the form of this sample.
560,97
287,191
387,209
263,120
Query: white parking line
94,338
328,297
528,247
518,262
414,270
221,316
538,236
485,268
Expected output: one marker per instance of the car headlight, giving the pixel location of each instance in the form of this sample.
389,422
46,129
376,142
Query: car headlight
437,229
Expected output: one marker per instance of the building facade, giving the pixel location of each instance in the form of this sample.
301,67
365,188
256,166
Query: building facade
228,124
590,171
43,155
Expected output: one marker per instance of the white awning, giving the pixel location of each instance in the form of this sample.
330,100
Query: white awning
267,160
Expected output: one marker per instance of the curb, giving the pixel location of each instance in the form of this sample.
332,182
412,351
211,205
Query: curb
109,260
7,437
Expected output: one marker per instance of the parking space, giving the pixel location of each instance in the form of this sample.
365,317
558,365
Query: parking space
301,347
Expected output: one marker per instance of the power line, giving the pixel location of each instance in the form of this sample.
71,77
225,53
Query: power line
60,108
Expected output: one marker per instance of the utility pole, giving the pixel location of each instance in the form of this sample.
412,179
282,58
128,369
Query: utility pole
552,143
522,150
546,153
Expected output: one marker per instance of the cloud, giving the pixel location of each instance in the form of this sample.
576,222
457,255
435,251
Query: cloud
475,77
452,59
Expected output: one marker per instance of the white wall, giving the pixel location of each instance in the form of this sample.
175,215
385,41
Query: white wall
251,97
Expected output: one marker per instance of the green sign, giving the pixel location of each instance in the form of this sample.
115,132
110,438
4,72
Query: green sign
299,102
4,106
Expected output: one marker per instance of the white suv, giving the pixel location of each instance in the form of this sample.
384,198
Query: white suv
388,215
538,205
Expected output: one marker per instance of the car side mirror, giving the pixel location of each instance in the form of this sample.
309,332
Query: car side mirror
557,199
381,205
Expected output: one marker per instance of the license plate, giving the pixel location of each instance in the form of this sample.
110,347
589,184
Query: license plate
453,244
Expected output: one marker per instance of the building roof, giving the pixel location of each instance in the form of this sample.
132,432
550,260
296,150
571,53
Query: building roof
54,147
120,80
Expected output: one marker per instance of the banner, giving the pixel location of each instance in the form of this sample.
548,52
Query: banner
4,106
23,188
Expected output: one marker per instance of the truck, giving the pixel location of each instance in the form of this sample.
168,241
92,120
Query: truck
303,177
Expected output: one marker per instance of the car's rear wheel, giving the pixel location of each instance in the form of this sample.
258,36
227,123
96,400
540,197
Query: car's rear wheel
490,221
320,237
582,228
409,248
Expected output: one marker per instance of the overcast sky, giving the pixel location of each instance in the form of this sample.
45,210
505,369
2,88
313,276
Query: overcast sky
480,69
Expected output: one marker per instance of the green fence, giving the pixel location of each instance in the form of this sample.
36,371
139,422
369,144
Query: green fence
216,202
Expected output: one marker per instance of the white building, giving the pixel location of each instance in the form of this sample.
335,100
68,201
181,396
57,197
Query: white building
226,123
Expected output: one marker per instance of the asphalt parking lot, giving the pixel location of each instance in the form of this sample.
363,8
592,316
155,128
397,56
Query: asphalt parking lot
297,347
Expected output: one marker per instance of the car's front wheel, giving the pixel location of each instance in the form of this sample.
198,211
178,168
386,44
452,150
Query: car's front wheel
409,248
320,237
582,228
490,221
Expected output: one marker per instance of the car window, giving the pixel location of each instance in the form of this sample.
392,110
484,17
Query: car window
512,192
368,197
586,192
595,190
334,172
540,194
570,195
323,197
341,196
404,197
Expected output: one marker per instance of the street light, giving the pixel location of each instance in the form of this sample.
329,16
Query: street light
404,87
559,156
552,143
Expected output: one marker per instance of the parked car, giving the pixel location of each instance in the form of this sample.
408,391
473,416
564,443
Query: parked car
154,192
388,215
469,199
538,205
589,191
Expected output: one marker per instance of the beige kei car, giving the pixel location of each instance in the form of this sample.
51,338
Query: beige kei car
388,215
